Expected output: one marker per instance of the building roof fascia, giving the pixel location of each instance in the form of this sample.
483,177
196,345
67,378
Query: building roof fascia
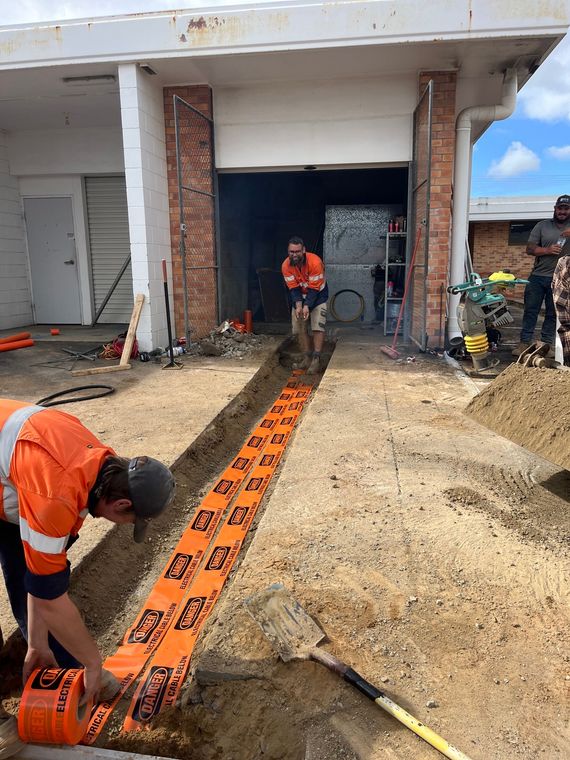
288,25
510,208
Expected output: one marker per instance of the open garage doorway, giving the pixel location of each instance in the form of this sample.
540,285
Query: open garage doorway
259,212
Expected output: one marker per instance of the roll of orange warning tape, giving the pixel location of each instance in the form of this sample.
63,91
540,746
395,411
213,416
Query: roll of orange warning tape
50,710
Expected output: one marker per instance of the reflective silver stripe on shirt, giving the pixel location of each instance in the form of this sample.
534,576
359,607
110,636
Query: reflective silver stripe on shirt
41,543
10,432
84,512
10,502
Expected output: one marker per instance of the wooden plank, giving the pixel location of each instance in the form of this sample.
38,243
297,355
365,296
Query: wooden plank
132,331
127,347
100,370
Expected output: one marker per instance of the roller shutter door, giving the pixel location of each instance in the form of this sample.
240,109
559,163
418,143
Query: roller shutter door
109,244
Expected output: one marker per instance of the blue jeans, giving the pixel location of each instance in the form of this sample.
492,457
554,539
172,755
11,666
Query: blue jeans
13,565
539,289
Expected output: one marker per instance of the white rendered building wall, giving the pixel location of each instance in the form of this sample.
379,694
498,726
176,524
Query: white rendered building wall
142,115
364,121
15,296
97,150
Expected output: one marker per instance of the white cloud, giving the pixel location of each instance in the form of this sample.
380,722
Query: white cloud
546,97
518,159
562,154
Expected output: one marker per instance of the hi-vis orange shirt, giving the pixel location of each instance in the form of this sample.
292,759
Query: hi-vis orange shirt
306,283
48,464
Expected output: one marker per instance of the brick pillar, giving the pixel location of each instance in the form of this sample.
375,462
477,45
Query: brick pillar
441,176
197,162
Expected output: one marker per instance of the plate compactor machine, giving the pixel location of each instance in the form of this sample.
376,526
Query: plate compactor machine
483,306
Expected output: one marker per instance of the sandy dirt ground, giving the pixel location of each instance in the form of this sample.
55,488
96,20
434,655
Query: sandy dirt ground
435,556
433,553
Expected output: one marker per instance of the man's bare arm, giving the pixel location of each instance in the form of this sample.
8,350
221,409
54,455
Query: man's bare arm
65,623
536,250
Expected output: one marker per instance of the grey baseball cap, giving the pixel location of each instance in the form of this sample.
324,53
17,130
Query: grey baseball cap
151,486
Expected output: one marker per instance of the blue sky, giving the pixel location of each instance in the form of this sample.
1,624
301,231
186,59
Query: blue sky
529,153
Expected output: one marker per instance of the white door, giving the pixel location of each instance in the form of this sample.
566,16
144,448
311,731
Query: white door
53,260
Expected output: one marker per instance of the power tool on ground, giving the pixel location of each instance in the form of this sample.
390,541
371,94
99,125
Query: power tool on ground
483,306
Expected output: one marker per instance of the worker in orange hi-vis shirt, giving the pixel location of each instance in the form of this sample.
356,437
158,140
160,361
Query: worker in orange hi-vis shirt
304,275
53,473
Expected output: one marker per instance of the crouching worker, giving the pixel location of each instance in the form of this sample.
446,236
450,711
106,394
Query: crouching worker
304,275
53,473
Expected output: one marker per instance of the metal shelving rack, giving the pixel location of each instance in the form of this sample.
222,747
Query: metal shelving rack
392,266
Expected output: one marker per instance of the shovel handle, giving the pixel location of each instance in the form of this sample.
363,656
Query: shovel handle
436,741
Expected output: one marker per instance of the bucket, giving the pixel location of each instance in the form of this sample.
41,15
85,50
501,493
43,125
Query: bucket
393,309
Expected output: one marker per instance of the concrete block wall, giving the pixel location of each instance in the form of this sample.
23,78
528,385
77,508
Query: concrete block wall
15,296
492,252
197,165
144,149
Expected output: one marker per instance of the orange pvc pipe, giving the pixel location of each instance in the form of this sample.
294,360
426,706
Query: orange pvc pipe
16,344
13,338
248,320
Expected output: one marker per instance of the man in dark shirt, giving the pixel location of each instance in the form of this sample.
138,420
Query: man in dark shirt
546,243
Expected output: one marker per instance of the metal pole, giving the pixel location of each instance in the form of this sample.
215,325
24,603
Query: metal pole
182,227
429,90
216,221
171,364
111,290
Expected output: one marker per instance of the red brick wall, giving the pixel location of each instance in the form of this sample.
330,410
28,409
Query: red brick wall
441,175
492,252
198,211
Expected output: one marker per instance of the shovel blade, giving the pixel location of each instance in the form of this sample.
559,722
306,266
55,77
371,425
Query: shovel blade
292,633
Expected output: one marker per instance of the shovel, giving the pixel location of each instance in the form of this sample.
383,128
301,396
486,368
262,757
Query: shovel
294,635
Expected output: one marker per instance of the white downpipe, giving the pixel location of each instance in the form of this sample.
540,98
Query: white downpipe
461,185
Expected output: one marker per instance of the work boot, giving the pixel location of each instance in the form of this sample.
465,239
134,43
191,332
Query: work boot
315,365
304,363
548,343
520,348
10,742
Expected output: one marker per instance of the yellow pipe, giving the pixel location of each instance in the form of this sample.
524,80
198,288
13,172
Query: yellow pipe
430,736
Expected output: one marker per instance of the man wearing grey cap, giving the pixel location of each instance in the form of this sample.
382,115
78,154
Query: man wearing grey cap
53,473
547,242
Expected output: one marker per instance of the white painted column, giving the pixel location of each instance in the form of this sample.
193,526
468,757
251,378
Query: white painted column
15,297
144,147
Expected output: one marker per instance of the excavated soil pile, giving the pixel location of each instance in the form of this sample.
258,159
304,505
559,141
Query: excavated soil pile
529,406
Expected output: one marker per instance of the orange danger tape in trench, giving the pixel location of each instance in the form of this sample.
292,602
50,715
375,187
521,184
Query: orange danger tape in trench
176,596
50,709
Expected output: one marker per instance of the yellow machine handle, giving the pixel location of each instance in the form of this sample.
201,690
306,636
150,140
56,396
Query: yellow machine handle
436,741
377,696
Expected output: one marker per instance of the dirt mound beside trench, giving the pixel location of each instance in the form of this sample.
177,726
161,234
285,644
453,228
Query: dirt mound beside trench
530,407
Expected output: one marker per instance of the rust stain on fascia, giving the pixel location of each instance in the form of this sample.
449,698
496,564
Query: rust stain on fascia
197,23
22,40
216,30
